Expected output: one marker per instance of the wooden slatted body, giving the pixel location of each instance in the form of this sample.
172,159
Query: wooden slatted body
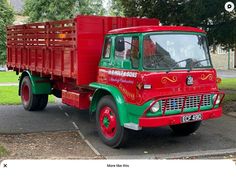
64,49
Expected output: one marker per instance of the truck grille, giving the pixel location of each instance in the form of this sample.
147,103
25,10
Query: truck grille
190,102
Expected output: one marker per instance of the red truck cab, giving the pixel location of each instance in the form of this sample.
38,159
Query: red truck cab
163,76
130,72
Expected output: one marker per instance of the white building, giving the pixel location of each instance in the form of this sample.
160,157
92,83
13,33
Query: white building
223,59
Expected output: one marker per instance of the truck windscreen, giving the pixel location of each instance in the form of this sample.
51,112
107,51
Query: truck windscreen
175,51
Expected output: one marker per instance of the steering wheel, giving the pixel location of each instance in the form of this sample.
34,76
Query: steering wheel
153,61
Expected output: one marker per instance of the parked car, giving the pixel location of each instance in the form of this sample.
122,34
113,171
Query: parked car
3,69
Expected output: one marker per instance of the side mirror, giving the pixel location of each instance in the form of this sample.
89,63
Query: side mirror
119,44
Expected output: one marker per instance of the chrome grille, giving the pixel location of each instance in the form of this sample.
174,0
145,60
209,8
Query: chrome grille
206,100
190,102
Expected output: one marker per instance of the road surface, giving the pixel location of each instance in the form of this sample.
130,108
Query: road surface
226,73
214,136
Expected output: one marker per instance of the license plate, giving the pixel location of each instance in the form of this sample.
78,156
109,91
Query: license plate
191,118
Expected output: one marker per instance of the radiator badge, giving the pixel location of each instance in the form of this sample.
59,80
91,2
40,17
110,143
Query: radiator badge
189,80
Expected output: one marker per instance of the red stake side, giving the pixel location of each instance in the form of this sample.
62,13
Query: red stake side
67,50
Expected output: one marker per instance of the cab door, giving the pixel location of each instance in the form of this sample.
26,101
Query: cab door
125,66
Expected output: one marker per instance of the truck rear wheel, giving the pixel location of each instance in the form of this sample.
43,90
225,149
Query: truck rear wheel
108,123
28,99
42,101
186,128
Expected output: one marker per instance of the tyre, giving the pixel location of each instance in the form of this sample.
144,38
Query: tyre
28,99
186,128
108,123
42,101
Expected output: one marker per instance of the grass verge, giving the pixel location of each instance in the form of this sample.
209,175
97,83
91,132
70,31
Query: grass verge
229,97
3,151
9,76
9,96
228,84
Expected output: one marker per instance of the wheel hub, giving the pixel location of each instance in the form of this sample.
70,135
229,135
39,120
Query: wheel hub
25,93
108,122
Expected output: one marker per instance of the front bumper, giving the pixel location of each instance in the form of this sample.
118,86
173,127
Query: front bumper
176,119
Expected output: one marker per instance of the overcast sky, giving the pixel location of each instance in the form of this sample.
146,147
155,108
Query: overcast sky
105,4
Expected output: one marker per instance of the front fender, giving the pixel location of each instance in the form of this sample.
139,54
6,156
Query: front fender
102,90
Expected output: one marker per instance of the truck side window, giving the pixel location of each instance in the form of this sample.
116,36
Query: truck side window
127,48
107,48
134,54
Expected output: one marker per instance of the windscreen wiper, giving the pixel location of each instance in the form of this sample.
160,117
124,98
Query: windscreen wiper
174,66
196,62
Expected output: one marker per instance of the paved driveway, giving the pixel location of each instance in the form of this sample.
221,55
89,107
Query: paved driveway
213,137
226,73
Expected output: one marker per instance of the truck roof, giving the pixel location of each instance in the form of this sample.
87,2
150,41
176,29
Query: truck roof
143,29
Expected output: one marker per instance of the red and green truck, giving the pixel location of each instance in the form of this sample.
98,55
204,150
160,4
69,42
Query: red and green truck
130,73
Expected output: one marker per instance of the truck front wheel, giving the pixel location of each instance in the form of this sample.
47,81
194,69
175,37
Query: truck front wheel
108,123
186,128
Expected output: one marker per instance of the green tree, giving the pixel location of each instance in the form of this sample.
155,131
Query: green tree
207,14
90,7
115,8
44,10
6,18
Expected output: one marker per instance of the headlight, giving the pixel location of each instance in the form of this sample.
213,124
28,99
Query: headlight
155,107
214,98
